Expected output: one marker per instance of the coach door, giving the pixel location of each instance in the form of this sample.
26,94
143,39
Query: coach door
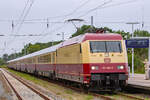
53,58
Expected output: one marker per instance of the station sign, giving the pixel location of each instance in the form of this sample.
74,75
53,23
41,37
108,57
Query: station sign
137,43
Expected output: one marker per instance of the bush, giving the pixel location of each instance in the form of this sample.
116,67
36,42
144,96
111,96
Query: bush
138,64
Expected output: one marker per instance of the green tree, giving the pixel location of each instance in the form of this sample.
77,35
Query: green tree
5,57
82,30
88,29
2,62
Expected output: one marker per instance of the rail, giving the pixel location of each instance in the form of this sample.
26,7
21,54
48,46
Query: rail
27,85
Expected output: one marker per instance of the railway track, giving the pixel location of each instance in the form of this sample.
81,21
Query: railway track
129,96
20,95
98,95
16,93
104,97
66,86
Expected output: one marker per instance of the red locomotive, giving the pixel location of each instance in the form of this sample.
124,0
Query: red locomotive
97,61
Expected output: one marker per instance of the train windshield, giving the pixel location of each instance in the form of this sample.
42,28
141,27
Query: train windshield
105,46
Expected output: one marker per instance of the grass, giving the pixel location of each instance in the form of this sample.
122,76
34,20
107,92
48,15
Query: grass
27,76
89,97
3,66
118,97
147,98
69,91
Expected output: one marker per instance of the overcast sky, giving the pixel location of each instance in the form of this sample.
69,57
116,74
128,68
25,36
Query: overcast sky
110,13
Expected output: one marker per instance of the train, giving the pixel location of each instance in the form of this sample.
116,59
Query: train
92,60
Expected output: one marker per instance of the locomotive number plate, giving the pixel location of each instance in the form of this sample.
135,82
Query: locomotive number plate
107,68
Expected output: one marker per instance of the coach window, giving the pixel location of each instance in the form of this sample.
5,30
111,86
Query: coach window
53,58
50,58
33,60
26,61
38,59
46,58
43,59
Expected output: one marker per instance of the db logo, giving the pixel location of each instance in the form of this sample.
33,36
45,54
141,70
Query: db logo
107,60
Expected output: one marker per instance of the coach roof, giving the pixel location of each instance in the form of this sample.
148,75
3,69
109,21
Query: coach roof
74,40
44,51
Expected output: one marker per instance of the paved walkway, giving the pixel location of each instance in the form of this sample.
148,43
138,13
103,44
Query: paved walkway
139,81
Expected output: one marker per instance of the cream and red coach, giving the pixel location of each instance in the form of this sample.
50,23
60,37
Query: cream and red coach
95,60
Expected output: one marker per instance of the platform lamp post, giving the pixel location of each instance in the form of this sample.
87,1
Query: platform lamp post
133,23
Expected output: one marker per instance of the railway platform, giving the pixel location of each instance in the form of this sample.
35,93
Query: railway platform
138,81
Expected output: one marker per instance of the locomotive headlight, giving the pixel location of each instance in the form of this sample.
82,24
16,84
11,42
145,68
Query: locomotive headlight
120,67
94,67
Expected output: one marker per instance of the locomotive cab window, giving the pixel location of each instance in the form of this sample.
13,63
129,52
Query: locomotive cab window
105,46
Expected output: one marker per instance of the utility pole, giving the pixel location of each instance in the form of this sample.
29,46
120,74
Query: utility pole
27,52
52,43
92,21
12,25
47,23
14,56
63,35
132,23
25,49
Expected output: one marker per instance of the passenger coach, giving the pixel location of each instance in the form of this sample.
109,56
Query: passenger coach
97,61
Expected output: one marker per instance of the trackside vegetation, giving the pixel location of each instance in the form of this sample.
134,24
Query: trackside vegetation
140,54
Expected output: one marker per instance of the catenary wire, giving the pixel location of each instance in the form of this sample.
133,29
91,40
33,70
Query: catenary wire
102,6
24,9
114,5
28,10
